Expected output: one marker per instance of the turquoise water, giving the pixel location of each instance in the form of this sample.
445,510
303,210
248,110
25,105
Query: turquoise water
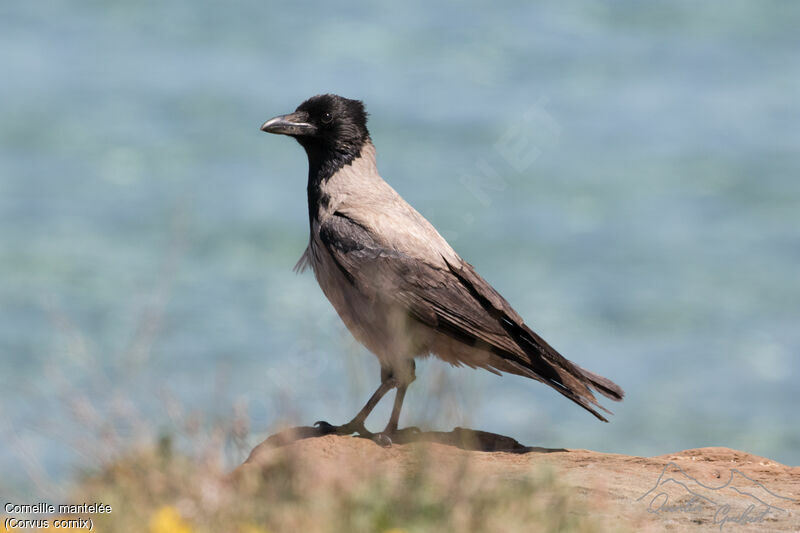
627,175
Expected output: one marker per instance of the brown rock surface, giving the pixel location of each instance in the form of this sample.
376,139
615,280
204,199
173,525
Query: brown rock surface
705,489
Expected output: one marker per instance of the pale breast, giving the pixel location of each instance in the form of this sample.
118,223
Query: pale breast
382,327
358,192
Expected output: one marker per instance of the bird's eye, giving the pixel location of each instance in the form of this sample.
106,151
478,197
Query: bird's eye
327,118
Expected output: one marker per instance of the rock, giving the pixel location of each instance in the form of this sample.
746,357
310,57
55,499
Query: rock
701,489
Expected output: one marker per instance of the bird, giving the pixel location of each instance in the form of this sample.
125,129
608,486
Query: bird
401,290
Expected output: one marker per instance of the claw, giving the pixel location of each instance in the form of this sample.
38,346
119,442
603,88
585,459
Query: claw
397,436
325,428
382,440
345,429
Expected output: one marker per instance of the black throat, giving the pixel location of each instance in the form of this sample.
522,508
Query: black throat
323,163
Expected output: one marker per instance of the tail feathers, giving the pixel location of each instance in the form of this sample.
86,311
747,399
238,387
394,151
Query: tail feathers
532,356
571,384
604,386
562,374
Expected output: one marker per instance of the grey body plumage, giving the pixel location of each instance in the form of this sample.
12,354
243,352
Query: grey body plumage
399,287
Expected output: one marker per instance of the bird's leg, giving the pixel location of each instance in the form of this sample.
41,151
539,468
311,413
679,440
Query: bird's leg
391,432
391,427
356,425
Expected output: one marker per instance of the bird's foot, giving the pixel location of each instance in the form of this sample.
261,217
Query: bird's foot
388,436
345,429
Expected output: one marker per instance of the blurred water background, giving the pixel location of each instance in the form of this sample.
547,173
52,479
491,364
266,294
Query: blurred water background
626,174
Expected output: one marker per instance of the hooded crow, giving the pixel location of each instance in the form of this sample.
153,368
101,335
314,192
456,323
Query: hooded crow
398,286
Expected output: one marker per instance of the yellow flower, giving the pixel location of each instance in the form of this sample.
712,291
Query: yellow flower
168,520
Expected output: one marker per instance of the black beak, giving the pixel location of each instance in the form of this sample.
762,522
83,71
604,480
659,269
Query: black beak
291,124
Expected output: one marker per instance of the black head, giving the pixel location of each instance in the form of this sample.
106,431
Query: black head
330,128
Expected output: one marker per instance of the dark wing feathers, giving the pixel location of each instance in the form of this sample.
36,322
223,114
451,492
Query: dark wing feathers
516,327
458,303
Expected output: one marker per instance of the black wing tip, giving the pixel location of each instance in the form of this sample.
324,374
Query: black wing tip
586,405
604,386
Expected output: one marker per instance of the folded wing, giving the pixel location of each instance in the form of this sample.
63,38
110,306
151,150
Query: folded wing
457,302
